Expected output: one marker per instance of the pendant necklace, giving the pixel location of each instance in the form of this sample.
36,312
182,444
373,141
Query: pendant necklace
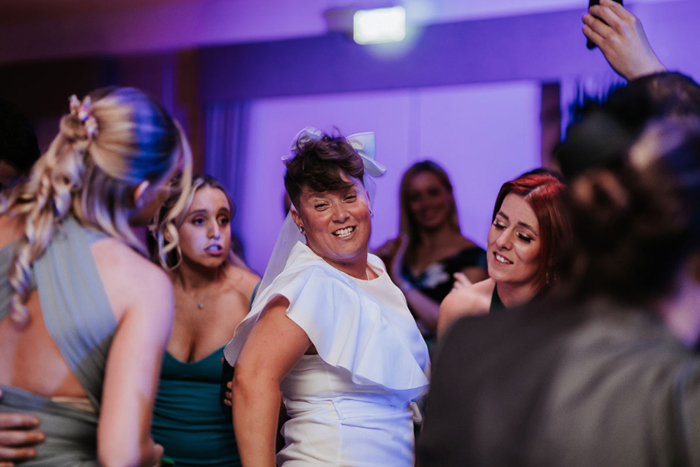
200,304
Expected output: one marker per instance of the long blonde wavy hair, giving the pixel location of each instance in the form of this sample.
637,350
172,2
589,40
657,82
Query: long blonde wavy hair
119,139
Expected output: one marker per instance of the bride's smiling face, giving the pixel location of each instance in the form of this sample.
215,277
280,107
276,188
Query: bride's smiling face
336,223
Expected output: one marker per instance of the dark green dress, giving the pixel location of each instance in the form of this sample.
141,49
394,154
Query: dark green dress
187,418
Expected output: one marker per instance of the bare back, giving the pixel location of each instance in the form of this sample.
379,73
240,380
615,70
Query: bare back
29,357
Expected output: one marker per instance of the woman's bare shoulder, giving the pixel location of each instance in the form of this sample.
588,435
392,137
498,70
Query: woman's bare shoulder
241,280
128,276
123,258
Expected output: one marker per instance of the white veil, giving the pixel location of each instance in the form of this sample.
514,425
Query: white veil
364,144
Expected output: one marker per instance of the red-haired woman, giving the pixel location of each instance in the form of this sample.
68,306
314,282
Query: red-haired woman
529,228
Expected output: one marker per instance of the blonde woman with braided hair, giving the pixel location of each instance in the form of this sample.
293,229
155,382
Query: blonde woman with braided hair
84,315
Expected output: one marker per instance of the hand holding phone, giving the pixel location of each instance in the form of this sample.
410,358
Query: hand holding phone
226,377
621,38
589,43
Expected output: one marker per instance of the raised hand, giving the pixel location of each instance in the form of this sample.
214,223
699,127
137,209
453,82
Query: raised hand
621,38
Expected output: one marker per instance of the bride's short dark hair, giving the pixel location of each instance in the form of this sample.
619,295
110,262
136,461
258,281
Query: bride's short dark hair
319,164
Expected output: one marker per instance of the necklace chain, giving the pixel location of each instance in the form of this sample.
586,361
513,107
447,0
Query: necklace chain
200,303
212,286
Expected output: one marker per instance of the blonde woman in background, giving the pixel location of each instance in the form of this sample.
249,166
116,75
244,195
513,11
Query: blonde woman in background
431,249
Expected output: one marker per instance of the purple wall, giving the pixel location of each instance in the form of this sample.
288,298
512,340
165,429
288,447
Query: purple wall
542,47
482,134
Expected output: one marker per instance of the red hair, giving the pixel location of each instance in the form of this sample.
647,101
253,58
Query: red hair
545,195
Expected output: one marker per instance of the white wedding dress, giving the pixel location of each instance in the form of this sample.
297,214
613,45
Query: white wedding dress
350,404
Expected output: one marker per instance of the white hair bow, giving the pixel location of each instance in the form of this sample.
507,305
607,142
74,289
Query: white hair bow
363,143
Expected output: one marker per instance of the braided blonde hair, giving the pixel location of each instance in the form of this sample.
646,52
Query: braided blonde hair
110,143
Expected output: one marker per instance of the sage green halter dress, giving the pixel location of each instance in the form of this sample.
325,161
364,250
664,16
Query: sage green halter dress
80,320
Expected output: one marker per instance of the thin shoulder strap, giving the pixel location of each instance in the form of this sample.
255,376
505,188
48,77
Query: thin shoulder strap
75,305
252,297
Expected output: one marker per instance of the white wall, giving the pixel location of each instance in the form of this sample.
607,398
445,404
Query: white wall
483,135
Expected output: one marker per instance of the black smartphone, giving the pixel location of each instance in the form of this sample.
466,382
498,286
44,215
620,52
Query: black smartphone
226,376
589,44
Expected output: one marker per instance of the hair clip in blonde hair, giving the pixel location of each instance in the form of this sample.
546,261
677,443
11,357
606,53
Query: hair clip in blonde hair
91,127
74,104
81,110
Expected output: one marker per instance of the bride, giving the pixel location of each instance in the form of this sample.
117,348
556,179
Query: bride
330,331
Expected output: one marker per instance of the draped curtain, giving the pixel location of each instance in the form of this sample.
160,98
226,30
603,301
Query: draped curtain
226,130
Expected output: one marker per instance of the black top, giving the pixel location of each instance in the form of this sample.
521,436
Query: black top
557,384
436,280
496,303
